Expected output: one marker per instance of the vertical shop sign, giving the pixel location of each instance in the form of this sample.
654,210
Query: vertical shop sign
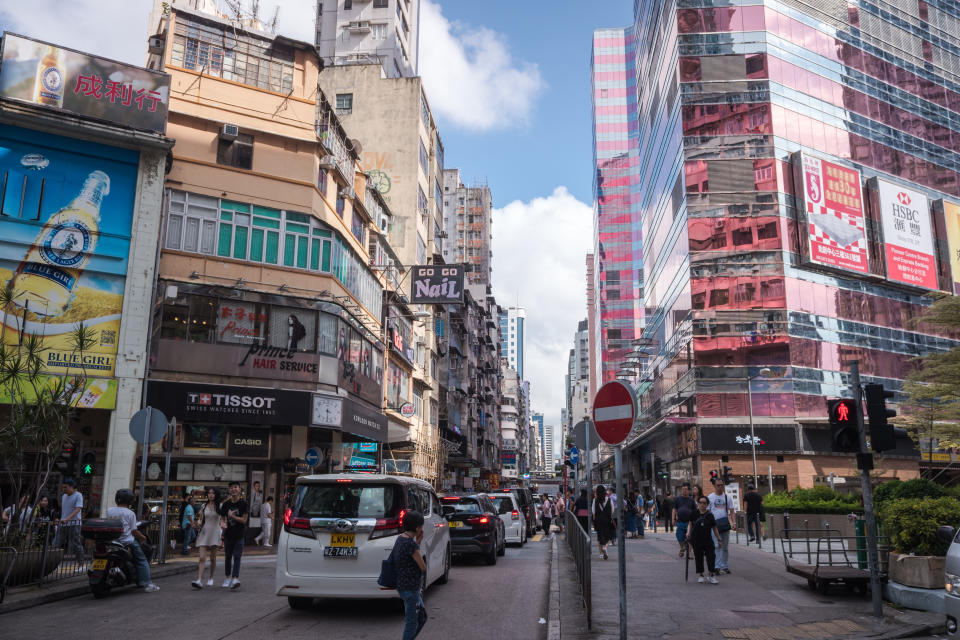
907,235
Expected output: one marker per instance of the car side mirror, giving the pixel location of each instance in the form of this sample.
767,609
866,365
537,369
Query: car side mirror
945,533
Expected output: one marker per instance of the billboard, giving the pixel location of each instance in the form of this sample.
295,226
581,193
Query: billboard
437,284
833,202
951,218
51,76
907,235
66,208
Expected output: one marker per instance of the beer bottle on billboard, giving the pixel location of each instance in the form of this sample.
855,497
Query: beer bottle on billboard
45,280
51,78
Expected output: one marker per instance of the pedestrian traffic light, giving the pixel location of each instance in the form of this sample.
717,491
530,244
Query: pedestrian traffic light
713,477
727,475
882,436
844,430
88,464
66,462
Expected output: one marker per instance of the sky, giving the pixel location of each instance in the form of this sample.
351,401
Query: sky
509,84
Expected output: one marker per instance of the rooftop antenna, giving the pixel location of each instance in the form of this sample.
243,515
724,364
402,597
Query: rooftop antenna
273,22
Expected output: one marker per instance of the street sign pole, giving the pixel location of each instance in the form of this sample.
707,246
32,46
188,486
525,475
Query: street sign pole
621,542
143,462
171,434
589,487
865,463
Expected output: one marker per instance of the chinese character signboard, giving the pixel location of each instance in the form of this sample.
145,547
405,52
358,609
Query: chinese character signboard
832,200
907,235
67,80
66,209
737,439
437,284
951,218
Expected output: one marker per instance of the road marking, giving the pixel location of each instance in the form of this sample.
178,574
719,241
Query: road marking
537,538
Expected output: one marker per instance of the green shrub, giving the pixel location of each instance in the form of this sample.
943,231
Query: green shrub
816,500
884,492
918,488
912,523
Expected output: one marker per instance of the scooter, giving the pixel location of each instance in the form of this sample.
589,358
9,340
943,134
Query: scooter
112,560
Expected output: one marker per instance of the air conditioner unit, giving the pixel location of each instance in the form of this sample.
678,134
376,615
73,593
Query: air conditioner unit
384,223
229,131
348,193
328,162
156,44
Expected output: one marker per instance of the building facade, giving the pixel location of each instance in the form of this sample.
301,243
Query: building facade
382,32
468,226
799,172
512,321
618,247
536,423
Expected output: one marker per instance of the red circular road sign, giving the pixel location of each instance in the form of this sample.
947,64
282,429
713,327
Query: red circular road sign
614,409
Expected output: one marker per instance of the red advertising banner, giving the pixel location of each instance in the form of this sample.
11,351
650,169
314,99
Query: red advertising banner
907,235
833,201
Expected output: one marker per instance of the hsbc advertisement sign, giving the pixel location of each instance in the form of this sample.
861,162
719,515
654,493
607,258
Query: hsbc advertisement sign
907,235
229,405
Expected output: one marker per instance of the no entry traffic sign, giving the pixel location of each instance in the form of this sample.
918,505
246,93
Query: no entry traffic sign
614,409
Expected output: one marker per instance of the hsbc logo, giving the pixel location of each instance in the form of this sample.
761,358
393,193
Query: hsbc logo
903,198
226,400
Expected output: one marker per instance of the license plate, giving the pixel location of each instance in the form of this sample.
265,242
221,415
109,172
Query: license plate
342,540
455,524
99,565
340,552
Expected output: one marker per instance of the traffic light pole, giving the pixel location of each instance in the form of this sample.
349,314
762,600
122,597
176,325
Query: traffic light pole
865,463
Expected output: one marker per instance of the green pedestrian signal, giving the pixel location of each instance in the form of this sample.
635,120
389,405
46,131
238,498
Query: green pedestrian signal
88,465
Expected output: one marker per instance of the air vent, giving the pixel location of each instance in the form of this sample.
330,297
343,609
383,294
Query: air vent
328,162
229,131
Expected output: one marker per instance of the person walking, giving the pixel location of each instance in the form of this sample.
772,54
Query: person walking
667,512
754,506
410,567
700,535
266,523
71,506
684,508
696,493
256,501
651,508
582,510
188,524
236,514
560,511
208,541
631,516
546,511
721,505
603,519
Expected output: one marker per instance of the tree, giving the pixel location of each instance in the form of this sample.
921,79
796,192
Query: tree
40,406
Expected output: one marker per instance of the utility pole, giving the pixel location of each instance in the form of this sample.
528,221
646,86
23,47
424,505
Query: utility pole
865,464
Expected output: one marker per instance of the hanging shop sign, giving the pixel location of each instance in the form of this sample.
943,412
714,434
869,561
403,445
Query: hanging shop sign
350,416
231,405
437,284
262,361
832,201
249,443
66,80
907,235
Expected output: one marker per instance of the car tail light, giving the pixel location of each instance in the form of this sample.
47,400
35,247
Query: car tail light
514,515
297,526
386,527
479,521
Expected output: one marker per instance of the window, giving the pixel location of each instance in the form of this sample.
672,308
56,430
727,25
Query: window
421,250
421,201
344,102
348,4
380,4
236,153
192,318
424,111
438,150
378,31
293,329
341,201
437,193
424,160
322,182
357,228
613,294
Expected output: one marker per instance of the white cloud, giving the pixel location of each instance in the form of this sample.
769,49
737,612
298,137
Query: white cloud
471,79
539,248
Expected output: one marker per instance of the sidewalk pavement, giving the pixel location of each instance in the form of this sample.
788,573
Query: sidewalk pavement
759,600
176,564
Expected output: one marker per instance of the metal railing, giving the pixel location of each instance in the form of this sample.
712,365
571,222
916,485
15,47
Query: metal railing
579,542
41,552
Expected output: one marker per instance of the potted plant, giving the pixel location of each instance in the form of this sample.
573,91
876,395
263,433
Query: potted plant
917,555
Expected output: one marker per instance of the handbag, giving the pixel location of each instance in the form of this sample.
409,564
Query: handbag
723,524
388,573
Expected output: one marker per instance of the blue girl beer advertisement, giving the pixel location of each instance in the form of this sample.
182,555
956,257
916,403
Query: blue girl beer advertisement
66,208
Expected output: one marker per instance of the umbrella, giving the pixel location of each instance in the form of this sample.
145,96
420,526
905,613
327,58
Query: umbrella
686,572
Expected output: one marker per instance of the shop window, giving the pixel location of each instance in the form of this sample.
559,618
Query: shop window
294,329
327,334
174,322
193,319
241,322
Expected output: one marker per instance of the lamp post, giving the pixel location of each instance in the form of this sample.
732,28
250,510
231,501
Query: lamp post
753,439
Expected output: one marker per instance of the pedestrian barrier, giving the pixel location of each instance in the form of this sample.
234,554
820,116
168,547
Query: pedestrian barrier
579,542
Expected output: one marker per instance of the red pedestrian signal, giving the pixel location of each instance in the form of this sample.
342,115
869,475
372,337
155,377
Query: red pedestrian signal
844,428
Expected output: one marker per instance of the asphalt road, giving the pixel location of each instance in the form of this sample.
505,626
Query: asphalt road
503,601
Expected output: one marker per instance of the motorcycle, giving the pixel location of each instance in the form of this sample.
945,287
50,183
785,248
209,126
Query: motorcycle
113,564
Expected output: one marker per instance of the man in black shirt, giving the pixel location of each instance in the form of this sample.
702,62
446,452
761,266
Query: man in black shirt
667,511
683,509
236,514
754,507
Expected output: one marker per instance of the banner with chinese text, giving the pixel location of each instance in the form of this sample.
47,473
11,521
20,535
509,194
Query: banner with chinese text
907,235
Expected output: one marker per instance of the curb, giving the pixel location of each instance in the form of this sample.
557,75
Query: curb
553,626
83,588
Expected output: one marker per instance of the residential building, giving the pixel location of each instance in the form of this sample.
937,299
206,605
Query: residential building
513,431
88,176
618,241
593,325
537,425
549,453
467,223
265,293
382,32
761,127
512,320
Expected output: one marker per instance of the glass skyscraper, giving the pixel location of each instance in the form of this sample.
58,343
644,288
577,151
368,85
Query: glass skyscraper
799,168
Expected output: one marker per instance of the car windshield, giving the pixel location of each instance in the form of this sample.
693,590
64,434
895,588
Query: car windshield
504,504
462,505
347,501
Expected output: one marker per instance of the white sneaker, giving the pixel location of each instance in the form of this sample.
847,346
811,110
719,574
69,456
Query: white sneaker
226,583
150,588
235,584
196,584
702,580
268,546
210,582
712,580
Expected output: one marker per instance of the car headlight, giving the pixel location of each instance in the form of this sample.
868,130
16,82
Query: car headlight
952,584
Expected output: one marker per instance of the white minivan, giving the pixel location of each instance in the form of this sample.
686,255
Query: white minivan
338,528
514,524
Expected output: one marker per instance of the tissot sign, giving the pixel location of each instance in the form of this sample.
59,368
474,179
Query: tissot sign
231,405
437,284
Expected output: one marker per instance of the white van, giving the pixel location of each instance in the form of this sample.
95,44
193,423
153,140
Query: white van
514,522
338,528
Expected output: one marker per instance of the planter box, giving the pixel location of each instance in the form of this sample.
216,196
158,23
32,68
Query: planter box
924,572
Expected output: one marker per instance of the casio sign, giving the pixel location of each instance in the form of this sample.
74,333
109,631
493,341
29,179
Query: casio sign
248,442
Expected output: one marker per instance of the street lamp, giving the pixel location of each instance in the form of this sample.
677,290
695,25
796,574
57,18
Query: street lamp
763,373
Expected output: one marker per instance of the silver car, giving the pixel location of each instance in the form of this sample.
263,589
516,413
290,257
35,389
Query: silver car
951,601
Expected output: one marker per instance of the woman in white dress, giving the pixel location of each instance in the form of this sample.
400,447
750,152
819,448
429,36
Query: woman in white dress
208,541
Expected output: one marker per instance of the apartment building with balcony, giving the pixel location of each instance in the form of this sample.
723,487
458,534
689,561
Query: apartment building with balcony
468,223
382,32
